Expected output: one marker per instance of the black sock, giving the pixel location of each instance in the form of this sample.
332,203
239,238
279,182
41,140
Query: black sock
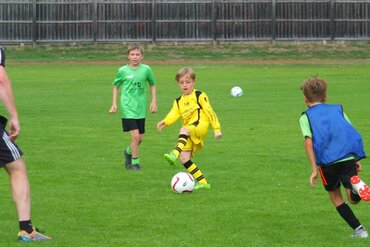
355,197
26,226
347,214
187,164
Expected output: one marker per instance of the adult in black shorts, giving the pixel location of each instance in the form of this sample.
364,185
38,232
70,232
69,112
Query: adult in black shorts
11,159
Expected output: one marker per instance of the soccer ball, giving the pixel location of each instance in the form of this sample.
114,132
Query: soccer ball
182,182
236,91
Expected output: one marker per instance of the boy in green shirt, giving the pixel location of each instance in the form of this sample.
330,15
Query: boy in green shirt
132,79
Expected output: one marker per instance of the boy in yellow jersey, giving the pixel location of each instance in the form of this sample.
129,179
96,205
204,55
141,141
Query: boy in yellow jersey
197,115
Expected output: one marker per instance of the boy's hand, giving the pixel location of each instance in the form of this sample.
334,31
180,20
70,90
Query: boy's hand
153,107
358,166
161,125
313,179
14,129
218,135
113,109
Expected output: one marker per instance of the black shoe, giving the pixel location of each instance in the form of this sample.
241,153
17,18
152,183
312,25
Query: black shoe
136,167
127,160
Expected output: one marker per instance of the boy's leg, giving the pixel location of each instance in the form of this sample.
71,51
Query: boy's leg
20,188
352,196
128,156
180,144
175,153
193,169
137,130
136,139
347,214
22,199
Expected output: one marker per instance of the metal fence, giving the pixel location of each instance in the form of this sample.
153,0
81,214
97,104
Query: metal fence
36,21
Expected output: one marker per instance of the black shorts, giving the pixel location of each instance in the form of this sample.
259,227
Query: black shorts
9,151
2,57
339,173
129,124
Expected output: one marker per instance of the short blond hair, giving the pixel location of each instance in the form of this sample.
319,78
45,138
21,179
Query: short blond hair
135,46
314,88
185,71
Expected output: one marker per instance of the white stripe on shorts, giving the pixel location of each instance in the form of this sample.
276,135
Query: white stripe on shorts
13,149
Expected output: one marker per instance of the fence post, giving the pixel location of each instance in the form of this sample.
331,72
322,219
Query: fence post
368,19
332,21
95,20
154,25
214,21
273,21
34,23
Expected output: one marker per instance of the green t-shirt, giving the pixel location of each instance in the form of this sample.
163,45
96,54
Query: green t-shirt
133,85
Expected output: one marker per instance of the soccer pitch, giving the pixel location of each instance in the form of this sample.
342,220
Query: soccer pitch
260,196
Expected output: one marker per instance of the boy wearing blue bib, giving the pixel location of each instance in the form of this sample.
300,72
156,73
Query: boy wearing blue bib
334,149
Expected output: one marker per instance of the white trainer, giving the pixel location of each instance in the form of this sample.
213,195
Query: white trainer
360,233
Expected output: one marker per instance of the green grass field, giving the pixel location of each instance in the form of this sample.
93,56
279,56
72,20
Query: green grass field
83,196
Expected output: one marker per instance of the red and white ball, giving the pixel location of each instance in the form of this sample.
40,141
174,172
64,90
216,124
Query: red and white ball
183,182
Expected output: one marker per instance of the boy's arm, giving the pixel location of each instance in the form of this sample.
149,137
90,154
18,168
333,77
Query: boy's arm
118,81
6,95
152,82
211,114
113,108
308,145
171,117
153,104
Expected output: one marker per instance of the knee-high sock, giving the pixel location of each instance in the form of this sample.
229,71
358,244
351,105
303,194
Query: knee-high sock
180,144
347,214
193,169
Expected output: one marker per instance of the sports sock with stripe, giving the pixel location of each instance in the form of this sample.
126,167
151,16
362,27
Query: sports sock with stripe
180,144
193,169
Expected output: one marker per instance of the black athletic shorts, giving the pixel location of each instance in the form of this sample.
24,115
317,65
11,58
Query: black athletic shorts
9,151
129,124
333,175
2,57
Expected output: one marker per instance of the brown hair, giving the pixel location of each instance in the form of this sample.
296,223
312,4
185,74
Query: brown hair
314,89
185,71
135,46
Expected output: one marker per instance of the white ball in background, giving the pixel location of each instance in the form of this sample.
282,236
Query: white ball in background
236,91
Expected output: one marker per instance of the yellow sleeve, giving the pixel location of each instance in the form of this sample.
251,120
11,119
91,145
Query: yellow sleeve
172,115
209,112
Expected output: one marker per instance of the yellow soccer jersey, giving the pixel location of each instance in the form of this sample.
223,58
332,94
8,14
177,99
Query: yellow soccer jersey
193,110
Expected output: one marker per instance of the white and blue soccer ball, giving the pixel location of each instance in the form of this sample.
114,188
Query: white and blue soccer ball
183,182
236,91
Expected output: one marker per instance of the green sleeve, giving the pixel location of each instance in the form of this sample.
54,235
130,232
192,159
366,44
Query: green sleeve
305,126
346,117
151,78
119,79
